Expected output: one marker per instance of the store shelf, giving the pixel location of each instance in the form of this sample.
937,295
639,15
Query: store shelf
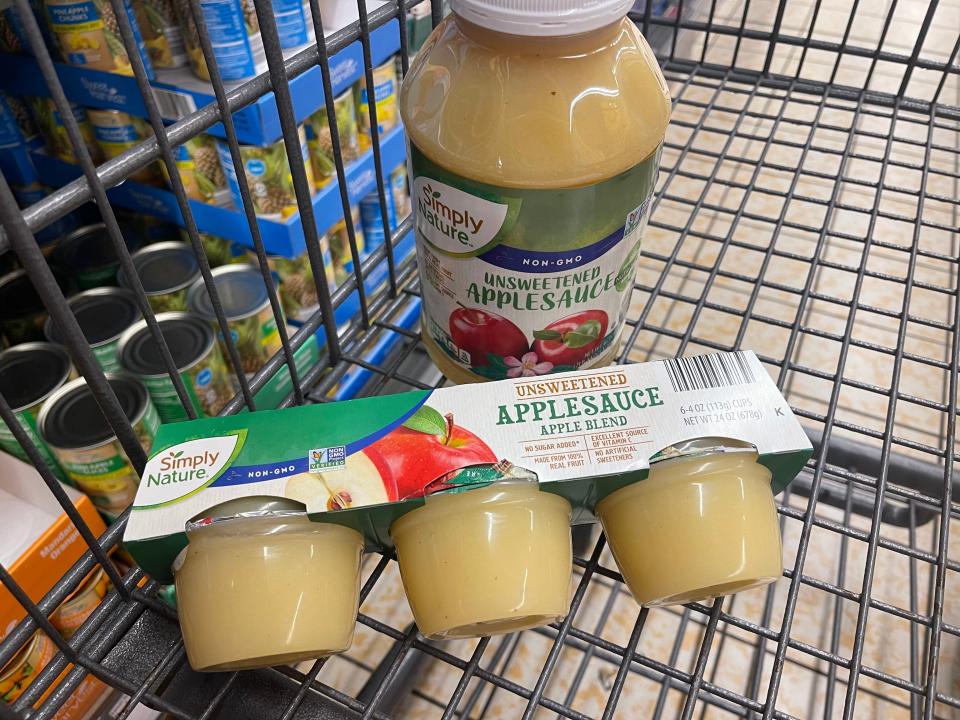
179,92
279,237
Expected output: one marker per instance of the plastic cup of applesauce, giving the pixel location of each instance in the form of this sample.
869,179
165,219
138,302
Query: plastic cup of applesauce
487,561
702,525
259,584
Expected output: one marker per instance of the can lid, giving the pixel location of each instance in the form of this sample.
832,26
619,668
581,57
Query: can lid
538,18
698,447
88,247
18,296
163,267
241,290
101,313
254,506
31,371
71,418
188,337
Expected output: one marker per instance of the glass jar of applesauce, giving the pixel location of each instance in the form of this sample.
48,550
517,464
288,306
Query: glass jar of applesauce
535,132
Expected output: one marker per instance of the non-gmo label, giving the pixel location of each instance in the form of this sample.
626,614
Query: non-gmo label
329,458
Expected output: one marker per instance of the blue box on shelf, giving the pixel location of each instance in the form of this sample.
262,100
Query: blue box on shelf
279,238
178,92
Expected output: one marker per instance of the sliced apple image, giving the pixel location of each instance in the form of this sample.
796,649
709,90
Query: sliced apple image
359,483
426,447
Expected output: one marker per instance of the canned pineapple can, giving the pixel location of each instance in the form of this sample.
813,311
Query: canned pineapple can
17,674
161,33
22,312
246,307
385,97
73,426
340,254
17,128
400,192
166,271
27,195
89,256
29,374
193,346
81,603
13,34
221,251
200,171
88,34
320,142
298,292
268,175
103,315
234,34
294,22
54,132
116,132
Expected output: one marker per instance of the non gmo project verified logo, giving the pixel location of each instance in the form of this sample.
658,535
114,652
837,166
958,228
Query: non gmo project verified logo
331,458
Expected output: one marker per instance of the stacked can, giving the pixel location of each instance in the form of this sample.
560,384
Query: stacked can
340,253
27,195
221,251
103,315
385,97
320,141
198,358
22,313
29,374
116,132
13,35
268,176
161,33
400,192
54,132
372,219
198,163
88,34
294,22
246,306
234,34
87,254
17,128
166,271
73,426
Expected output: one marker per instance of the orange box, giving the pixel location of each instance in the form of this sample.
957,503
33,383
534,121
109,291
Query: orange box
55,547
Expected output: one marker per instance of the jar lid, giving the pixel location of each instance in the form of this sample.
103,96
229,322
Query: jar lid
254,506
699,447
538,18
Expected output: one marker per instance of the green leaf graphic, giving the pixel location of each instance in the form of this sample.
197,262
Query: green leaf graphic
427,420
547,335
626,272
585,334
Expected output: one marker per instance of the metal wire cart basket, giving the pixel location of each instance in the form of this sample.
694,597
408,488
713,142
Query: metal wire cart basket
807,209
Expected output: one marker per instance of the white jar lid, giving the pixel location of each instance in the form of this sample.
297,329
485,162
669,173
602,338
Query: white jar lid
541,17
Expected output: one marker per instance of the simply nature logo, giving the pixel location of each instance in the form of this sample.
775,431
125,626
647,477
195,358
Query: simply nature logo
453,220
185,468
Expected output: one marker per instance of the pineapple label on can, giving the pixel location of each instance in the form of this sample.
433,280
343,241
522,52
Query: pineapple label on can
116,132
198,358
200,171
54,132
298,292
400,192
29,374
17,128
268,174
294,22
320,141
73,425
385,97
89,35
372,219
13,34
234,34
81,603
220,251
246,307
161,33
340,254
23,669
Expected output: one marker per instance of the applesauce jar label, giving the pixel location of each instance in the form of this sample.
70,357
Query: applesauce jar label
520,282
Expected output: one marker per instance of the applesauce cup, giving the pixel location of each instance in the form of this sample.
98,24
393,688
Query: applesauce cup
702,525
259,584
487,561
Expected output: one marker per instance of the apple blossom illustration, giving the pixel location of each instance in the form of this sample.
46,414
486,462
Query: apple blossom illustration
528,365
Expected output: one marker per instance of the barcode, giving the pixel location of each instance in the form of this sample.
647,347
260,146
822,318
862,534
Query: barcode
174,105
709,371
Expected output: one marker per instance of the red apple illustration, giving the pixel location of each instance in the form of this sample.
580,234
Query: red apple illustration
425,448
480,332
571,340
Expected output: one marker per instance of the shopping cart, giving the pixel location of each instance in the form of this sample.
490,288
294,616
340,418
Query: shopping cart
807,209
